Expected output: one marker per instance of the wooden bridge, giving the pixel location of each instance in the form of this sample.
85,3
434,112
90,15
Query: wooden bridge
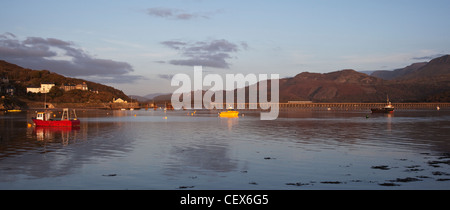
258,106
337,106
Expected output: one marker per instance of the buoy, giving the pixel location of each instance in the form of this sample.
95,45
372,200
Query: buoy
165,118
135,115
29,125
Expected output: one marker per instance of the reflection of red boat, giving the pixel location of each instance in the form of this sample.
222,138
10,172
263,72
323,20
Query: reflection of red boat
43,119
48,129
55,134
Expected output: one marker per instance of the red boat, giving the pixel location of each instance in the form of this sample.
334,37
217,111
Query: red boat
43,119
386,109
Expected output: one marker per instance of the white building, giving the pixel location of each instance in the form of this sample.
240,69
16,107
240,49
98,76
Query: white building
33,89
119,100
45,88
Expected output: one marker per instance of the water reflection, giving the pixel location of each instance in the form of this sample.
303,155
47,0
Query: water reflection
389,121
38,152
204,148
140,146
51,134
230,122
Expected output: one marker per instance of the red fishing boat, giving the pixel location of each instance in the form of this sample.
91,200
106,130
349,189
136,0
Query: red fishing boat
386,109
44,119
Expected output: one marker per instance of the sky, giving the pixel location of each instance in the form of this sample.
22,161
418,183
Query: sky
138,45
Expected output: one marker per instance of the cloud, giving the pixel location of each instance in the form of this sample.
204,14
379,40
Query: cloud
122,79
165,76
214,53
175,14
62,57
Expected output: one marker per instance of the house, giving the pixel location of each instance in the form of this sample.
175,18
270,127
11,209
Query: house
4,80
33,89
69,87
45,88
10,90
119,100
82,86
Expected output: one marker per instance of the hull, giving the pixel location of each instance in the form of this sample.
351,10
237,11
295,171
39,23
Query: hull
56,123
229,114
383,110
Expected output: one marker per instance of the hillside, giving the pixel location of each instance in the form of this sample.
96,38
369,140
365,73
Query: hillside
20,78
343,86
419,82
398,73
437,69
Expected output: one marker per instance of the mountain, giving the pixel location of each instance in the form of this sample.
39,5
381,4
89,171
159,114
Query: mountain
138,98
398,73
343,86
153,95
419,82
20,78
438,68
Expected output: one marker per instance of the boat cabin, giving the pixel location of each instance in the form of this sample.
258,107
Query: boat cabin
66,115
43,116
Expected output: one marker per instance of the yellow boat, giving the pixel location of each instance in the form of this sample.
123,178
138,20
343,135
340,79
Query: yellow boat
14,110
229,114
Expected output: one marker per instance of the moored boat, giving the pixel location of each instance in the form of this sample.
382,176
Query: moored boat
386,109
44,119
14,110
229,113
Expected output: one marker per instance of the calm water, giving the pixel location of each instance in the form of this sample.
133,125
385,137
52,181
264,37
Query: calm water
299,150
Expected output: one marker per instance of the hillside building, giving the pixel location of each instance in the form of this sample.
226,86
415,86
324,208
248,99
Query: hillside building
119,100
45,88
82,86
69,87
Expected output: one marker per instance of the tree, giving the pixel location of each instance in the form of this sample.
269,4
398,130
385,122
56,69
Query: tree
55,92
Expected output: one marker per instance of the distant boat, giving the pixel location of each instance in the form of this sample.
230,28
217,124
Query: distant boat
229,113
43,119
14,110
386,109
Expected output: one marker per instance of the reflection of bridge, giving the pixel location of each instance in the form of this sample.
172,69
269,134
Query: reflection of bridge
336,106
